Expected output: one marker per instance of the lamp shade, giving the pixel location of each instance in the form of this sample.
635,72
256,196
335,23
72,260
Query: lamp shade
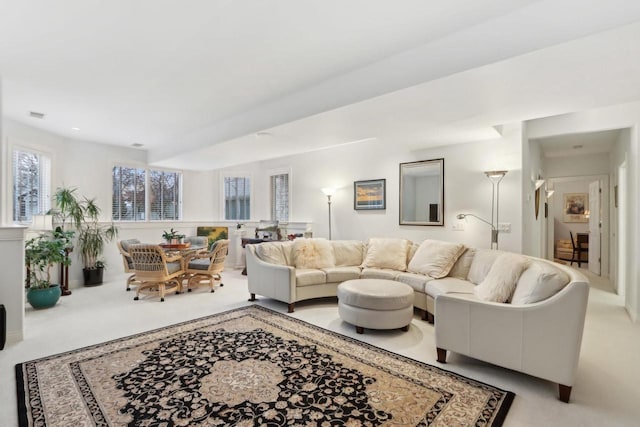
328,191
539,183
495,176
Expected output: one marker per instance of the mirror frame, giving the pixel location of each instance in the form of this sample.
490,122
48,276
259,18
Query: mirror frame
407,165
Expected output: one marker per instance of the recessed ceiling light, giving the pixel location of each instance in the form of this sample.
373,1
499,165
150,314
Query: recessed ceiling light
74,128
137,145
36,115
575,147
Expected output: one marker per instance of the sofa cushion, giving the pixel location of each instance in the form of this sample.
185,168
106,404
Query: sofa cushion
378,273
538,282
387,253
413,247
448,285
481,264
274,252
341,274
435,258
310,276
461,268
500,281
348,252
312,253
416,281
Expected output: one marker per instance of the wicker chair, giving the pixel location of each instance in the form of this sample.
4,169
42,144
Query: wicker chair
156,272
198,242
123,247
205,267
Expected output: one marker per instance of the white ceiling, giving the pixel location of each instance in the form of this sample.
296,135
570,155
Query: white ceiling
194,81
578,144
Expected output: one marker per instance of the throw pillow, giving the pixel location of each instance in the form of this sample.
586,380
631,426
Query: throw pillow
273,252
460,269
435,258
348,252
501,279
539,282
481,264
313,253
387,253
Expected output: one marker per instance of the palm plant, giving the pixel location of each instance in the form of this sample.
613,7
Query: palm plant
92,236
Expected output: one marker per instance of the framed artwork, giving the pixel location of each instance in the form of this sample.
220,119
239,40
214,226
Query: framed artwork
369,195
575,207
213,233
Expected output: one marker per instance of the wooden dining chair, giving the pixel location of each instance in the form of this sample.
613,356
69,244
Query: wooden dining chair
206,267
156,272
580,246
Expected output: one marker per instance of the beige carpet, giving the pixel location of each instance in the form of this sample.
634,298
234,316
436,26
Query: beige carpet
249,366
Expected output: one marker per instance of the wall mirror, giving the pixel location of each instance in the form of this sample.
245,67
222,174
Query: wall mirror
422,192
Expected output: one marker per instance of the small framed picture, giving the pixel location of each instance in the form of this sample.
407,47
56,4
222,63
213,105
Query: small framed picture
369,195
576,206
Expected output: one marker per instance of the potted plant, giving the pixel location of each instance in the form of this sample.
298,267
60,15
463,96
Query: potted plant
172,236
92,237
41,253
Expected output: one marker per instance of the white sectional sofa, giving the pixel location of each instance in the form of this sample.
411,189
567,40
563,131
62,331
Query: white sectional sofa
519,312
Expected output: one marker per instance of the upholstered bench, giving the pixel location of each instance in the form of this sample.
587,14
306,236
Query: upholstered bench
375,304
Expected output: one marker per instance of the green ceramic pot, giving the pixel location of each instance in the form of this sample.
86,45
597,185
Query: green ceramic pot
44,298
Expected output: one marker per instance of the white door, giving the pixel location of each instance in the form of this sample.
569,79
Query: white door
594,227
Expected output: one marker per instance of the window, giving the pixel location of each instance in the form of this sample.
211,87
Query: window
128,194
31,185
280,197
164,195
237,198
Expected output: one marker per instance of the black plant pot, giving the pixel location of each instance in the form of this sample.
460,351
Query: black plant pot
92,276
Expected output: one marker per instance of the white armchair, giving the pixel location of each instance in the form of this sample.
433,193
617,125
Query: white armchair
541,339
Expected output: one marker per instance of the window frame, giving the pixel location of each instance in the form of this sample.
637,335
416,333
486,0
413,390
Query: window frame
236,174
275,172
48,175
147,189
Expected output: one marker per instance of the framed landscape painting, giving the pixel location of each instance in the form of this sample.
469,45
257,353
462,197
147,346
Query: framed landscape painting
575,207
369,195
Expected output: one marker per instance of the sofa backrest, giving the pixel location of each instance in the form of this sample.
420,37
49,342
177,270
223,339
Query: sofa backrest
348,252
279,253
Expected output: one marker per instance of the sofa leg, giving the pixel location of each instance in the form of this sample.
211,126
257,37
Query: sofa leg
252,297
291,307
442,355
430,318
405,328
359,330
425,314
564,392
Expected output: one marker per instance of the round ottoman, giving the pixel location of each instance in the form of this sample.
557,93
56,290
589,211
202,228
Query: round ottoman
375,304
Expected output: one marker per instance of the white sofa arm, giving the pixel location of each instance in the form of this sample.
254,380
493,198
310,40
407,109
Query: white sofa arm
541,339
270,280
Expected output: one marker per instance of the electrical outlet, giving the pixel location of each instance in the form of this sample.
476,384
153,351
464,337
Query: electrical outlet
458,226
504,227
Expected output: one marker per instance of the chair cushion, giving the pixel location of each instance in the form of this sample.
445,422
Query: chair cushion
435,258
416,281
308,277
199,264
340,274
448,285
172,267
313,253
387,253
538,282
348,252
500,282
126,243
378,273
129,262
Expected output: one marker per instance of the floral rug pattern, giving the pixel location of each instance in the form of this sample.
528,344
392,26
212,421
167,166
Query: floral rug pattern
245,367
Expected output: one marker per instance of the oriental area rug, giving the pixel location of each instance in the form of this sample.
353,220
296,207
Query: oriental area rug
245,367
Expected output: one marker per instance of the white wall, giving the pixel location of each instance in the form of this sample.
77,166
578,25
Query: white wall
590,164
617,159
615,117
466,189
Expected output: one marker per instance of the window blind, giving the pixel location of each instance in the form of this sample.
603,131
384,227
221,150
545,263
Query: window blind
31,185
237,198
128,200
164,195
280,197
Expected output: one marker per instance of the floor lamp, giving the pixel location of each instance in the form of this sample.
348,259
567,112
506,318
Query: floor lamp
329,192
495,177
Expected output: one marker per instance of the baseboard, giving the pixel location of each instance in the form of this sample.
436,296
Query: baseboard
632,314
